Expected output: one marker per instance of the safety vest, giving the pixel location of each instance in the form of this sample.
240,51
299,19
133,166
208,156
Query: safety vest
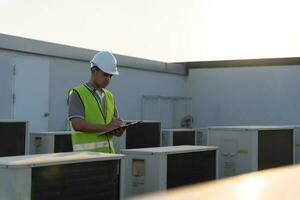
94,113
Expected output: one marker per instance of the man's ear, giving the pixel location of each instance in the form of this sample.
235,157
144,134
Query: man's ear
93,71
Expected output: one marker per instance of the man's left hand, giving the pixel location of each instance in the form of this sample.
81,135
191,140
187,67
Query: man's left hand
118,132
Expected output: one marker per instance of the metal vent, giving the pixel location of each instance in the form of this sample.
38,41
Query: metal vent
184,138
143,135
92,181
63,143
12,142
275,148
188,168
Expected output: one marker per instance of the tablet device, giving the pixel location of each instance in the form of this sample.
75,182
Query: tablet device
125,126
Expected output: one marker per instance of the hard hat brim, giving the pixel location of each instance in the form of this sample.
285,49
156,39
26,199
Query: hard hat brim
108,72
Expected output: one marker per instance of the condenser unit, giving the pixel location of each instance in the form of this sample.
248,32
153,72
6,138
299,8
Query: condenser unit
161,168
142,135
201,136
50,142
297,143
14,138
67,176
250,148
173,137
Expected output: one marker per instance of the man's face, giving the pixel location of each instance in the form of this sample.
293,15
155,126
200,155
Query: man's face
101,79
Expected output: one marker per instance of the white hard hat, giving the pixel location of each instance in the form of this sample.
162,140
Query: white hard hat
105,61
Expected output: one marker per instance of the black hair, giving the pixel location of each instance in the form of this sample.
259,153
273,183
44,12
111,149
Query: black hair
95,68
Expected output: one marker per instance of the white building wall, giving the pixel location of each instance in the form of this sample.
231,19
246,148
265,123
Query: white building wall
221,96
128,87
6,73
245,96
64,74
132,84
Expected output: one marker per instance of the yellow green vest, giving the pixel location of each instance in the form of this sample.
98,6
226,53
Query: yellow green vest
94,114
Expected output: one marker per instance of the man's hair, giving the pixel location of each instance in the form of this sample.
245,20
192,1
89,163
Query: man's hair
95,68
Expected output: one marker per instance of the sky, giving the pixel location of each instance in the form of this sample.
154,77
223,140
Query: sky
163,30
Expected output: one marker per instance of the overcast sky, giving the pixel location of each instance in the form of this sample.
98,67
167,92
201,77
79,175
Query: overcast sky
165,30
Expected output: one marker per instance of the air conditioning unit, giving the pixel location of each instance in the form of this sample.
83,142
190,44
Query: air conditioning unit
142,135
201,136
297,143
161,168
173,137
14,138
250,148
67,176
50,142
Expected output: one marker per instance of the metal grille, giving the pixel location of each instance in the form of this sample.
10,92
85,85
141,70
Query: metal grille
63,143
143,135
188,168
275,148
184,138
80,181
13,138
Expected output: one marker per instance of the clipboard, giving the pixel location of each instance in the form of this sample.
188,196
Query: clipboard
125,126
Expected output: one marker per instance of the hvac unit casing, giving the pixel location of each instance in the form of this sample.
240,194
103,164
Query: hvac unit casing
201,136
67,176
50,142
174,137
142,135
250,148
161,168
297,143
14,138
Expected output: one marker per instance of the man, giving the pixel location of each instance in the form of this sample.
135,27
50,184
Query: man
92,108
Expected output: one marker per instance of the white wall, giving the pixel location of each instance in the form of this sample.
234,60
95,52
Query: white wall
132,84
245,96
127,88
225,96
6,74
64,74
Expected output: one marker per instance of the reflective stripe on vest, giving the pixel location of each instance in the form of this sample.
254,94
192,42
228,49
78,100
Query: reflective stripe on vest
91,146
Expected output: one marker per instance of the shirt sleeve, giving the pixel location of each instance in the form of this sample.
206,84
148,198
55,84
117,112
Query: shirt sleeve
76,107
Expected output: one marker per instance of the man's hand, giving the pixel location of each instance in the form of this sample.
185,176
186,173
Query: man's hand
115,123
119,132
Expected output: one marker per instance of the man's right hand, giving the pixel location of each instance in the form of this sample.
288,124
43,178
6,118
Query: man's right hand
115,123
